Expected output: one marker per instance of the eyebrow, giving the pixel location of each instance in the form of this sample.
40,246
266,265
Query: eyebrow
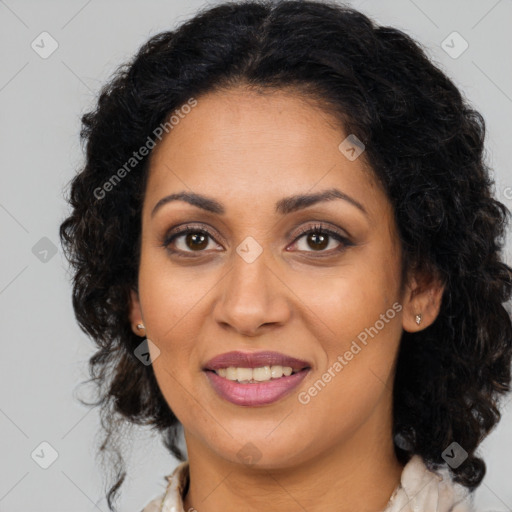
283,206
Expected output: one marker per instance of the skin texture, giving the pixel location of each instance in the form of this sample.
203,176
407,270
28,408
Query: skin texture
248,151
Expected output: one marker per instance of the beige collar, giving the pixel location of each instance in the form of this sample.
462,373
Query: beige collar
421,490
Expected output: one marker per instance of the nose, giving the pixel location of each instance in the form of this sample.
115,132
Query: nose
252,297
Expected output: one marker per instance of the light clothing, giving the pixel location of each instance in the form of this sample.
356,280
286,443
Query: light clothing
419,490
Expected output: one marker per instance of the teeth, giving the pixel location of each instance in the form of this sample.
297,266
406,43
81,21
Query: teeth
287,370
243,374
261,374
231,373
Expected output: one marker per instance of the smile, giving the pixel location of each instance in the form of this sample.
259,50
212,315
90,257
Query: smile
241,386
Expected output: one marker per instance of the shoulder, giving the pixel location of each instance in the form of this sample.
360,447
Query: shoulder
172,499
155,505
423,489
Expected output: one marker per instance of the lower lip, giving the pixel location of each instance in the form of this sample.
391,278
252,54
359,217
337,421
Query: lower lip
257,393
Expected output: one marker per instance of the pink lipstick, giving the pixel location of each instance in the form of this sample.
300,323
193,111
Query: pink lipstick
255,393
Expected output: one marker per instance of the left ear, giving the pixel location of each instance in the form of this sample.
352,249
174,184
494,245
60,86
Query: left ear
422,296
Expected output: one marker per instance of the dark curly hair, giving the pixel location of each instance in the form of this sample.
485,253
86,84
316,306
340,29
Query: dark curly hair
424,143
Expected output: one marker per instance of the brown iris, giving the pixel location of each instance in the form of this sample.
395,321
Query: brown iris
196,240
319,240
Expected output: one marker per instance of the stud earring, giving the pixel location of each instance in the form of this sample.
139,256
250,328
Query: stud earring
418,318
140,326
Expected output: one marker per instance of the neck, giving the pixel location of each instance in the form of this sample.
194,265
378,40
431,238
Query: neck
355,475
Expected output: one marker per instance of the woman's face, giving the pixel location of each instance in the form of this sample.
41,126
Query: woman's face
256,283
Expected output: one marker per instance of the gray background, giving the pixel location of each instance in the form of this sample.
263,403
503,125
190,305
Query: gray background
45,354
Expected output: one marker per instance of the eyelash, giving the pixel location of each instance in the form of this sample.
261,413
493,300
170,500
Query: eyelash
316,229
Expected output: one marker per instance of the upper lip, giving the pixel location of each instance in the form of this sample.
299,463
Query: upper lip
254,360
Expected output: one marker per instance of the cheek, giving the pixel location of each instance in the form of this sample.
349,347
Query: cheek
345,302
172,296
172,304
359,338
355,317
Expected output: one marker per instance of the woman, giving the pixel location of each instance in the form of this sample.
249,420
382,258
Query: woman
285,244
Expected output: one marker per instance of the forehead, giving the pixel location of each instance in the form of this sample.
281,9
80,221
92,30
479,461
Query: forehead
250,146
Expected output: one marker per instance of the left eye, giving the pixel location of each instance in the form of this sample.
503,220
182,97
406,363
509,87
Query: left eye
319,239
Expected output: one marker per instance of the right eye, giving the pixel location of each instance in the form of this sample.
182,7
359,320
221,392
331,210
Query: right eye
188,239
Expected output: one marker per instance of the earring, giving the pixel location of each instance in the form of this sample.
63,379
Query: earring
140,326
418,318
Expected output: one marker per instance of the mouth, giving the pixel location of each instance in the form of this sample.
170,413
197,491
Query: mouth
258,378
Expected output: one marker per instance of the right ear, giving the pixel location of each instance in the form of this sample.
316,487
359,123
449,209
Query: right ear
135,312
